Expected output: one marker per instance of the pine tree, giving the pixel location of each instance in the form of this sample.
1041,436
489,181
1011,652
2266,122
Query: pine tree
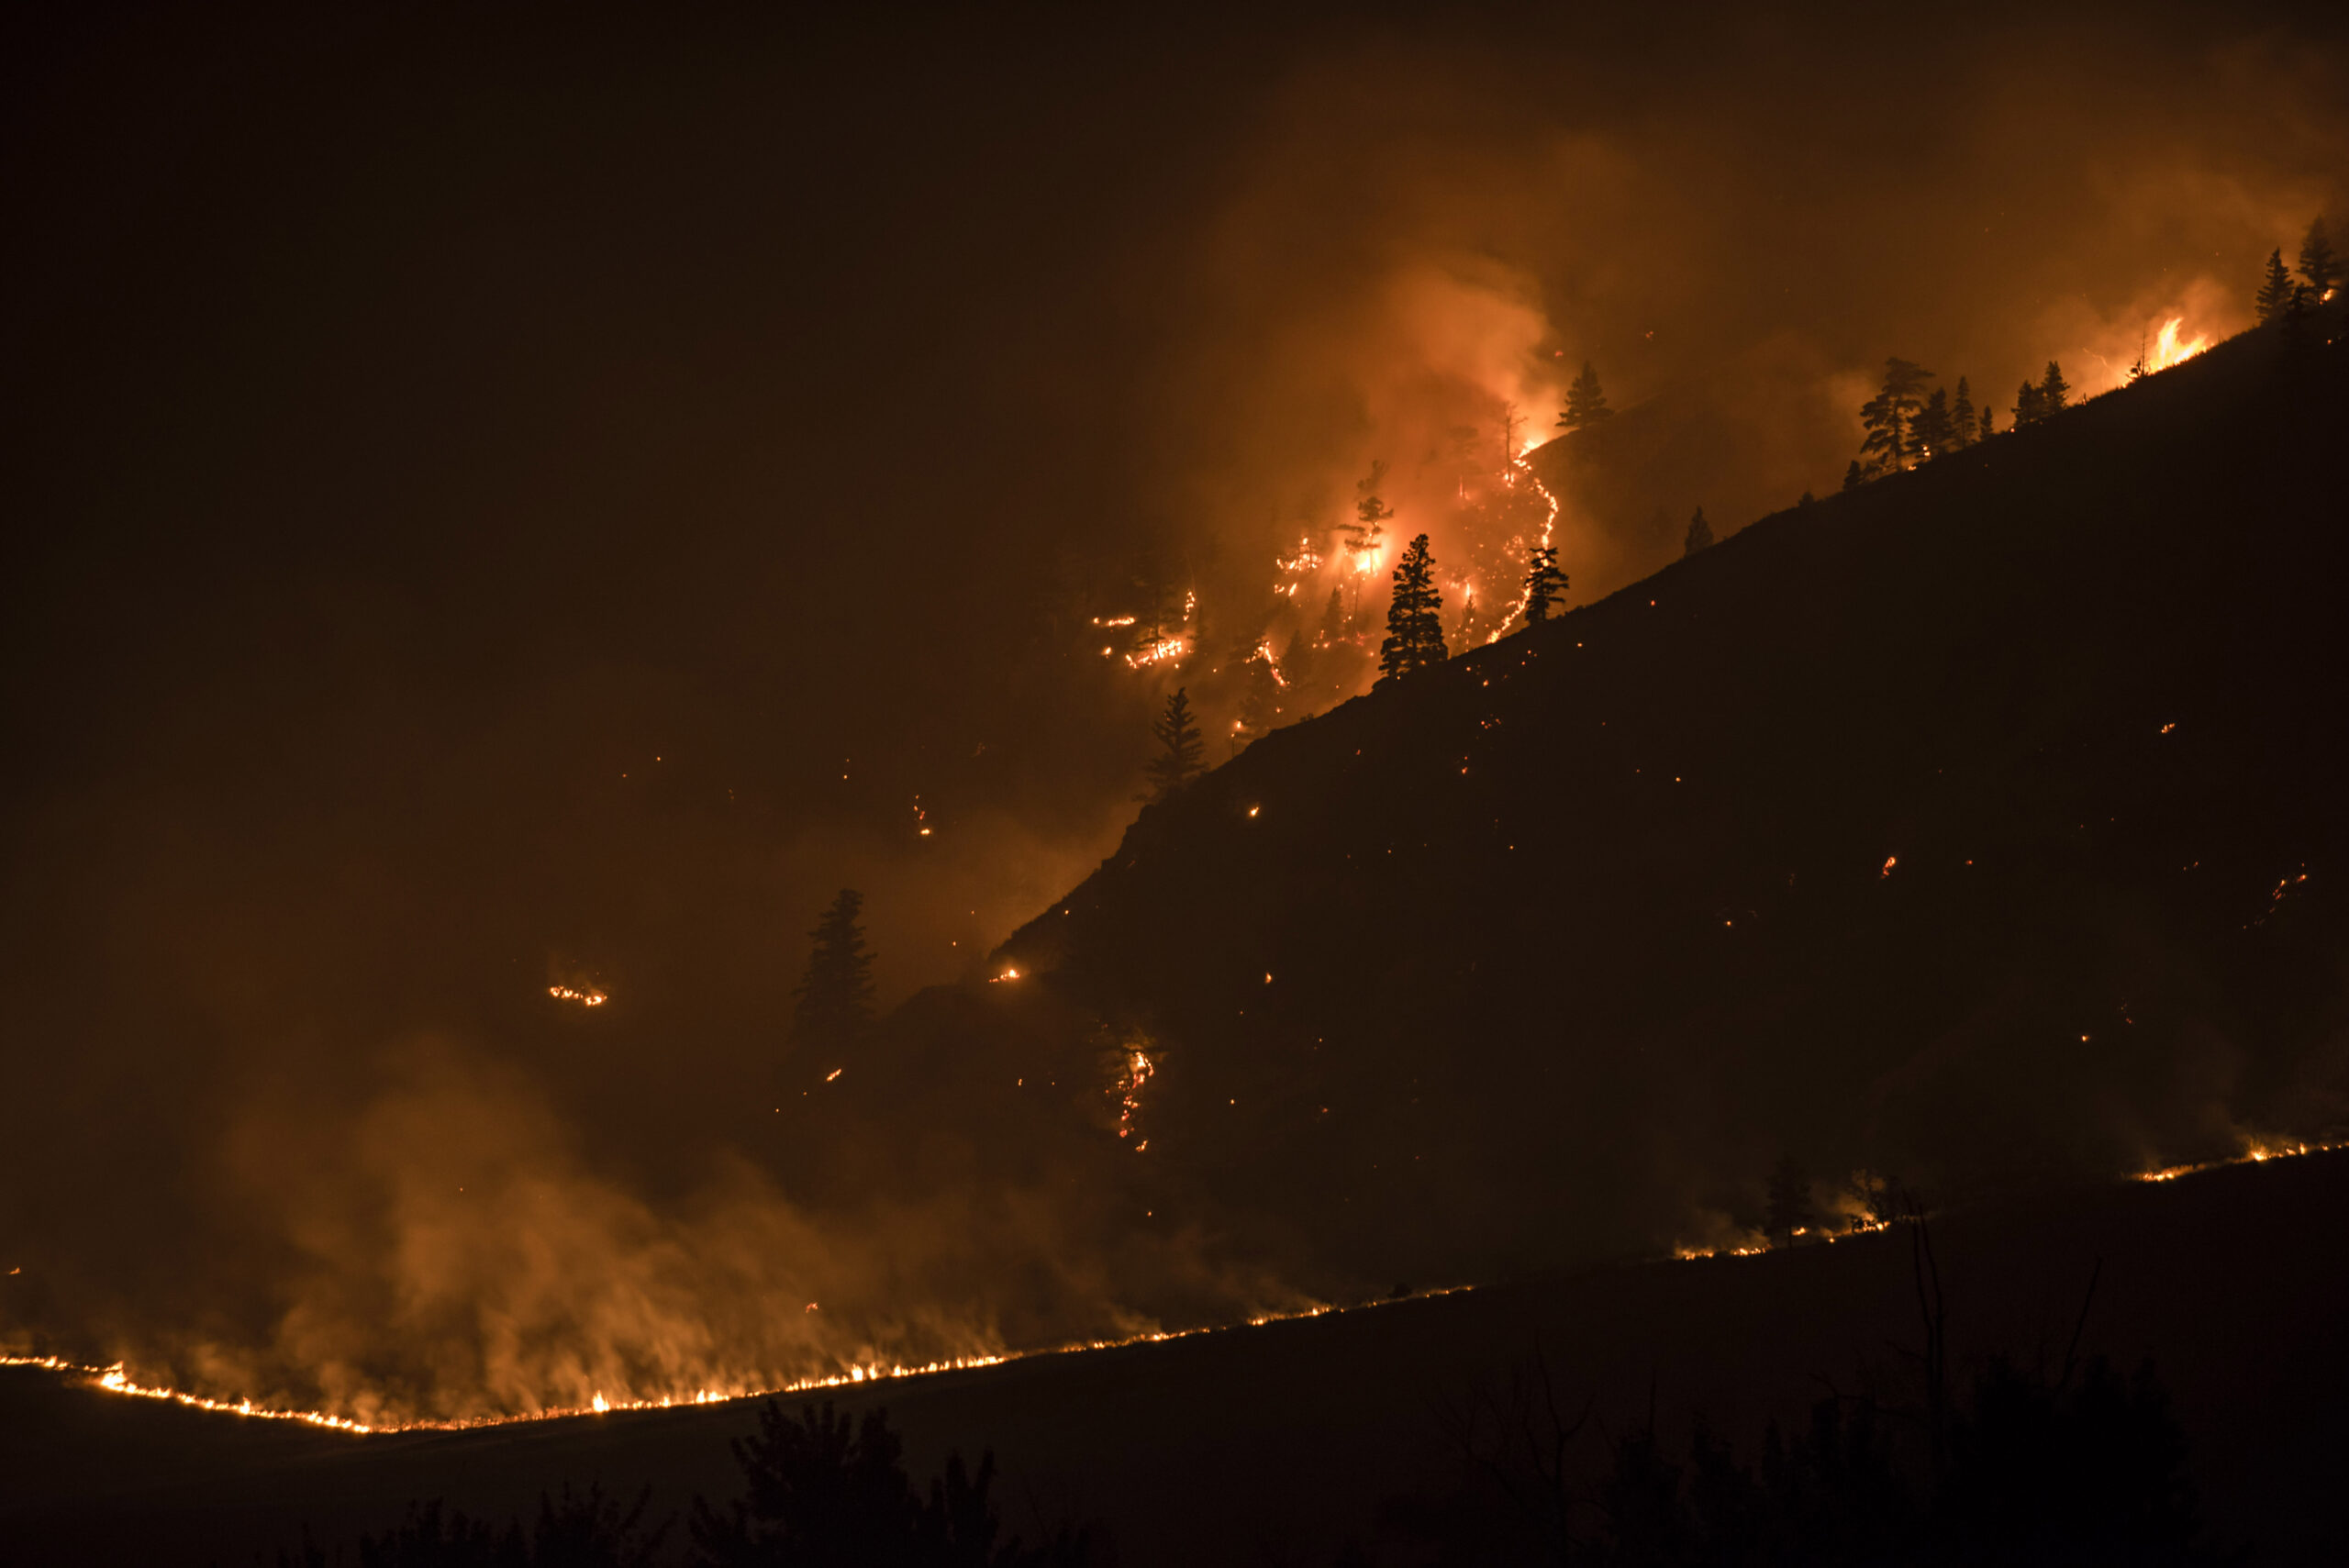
2320,268
1368,530
1962,430
1934,433
2275,289
1181,749
1983,422
2030,405
834,1004
1891,414
1586,404
1854,475
1543,583
1334,621
2054,392
1701,534
1414,623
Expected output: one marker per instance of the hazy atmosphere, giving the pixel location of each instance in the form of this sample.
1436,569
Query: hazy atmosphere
508,519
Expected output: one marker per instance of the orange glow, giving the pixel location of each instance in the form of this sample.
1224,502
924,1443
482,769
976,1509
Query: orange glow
585,998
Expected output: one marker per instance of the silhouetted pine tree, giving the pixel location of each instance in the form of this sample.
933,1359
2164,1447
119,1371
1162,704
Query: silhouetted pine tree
1890,417
1962,430
835,996
1984,419
1414,623
1701,534
2054,392
2274,288
2030,405
2320,268
1586,404
1934,432
1788,1209
1854,475
1181,749
1544,584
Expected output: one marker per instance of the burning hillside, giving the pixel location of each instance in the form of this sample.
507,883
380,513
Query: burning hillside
1577,933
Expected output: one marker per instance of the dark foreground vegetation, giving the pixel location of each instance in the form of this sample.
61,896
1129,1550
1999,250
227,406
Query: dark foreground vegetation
1275,1444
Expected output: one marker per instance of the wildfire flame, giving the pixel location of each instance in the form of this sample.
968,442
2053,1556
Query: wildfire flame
585,998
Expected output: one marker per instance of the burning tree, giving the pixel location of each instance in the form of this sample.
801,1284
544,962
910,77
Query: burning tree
1182,752
835,996
1367,532
1414,627
2320,268
1935,432
1701,534
1586,404
1543,583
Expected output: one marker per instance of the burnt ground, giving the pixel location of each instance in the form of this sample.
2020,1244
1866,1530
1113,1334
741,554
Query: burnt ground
1275,1443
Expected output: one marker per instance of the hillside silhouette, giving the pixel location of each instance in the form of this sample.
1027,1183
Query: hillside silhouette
1976,825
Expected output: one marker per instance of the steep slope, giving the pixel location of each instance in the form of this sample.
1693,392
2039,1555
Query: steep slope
1980,825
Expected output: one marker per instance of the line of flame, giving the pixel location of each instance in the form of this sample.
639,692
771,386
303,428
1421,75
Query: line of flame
116,1380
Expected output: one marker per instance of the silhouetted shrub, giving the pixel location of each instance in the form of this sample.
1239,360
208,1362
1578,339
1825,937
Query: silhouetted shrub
824,1493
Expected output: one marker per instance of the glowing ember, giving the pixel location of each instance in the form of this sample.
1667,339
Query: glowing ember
585,998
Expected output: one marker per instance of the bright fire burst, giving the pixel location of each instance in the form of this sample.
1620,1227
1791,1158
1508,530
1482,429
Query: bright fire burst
2170,347
585,998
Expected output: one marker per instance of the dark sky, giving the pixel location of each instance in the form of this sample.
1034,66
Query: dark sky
501,507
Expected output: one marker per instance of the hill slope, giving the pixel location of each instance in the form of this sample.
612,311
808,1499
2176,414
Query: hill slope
1980,825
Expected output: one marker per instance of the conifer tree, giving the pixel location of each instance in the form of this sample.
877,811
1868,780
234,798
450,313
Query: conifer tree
1854,475
834,997
1934,432
2055,393
1890,417
1543,583
1368,530
2030,405
1414,627
2274,288
2320,268
1701,534
1961,432
1334,621
1586,404
1984,419
1181,749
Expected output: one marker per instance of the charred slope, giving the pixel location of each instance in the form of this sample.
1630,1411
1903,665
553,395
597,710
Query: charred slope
1955,826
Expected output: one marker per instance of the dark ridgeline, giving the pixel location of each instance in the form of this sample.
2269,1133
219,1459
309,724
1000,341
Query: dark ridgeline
1923,828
